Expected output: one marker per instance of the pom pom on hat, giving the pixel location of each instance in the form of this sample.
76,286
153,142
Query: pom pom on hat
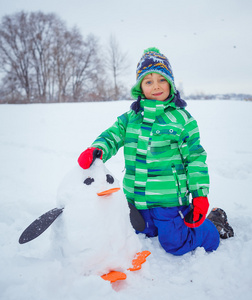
152,49
152,61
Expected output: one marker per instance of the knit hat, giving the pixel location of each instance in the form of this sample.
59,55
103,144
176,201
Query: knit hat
152,61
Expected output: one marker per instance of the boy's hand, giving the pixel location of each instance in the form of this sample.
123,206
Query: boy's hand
197,215
87,157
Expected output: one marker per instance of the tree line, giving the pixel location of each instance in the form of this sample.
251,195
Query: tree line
41,60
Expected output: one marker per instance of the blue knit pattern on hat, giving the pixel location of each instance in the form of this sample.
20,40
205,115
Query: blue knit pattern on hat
153,61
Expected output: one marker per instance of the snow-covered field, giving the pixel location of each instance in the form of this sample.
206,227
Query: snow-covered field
40,143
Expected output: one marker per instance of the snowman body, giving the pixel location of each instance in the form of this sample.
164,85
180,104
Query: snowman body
94,234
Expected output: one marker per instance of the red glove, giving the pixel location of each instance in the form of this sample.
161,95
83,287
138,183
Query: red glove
87,157
197,215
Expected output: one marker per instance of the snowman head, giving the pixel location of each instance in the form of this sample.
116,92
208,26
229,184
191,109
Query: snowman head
92,183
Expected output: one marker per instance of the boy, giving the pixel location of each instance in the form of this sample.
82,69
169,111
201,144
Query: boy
164,162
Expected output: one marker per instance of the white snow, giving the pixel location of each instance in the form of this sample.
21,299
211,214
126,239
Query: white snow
40,143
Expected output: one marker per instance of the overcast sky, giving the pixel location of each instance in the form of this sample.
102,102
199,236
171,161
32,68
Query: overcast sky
208,42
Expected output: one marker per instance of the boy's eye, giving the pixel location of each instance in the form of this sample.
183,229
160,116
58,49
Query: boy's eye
148,82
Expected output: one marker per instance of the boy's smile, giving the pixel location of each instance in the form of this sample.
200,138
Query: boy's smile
155,87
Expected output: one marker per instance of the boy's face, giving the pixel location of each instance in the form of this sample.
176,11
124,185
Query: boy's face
155,87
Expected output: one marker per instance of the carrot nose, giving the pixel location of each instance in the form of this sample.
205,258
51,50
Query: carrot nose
107,192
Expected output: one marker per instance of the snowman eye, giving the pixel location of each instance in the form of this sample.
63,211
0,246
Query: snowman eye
88,180
110,179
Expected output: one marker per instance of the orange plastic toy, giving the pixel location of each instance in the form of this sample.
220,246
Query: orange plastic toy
137,262
114,276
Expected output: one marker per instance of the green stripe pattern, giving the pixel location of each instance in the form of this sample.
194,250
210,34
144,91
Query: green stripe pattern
164,160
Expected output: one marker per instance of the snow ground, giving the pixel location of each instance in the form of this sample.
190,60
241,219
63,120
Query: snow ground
40,143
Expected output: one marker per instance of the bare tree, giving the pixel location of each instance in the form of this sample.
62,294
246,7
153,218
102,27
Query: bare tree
26,51
15,46
43,61
42,37
85,66
116,62
62,58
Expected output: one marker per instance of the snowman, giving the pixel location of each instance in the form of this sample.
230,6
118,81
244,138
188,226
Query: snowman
92,231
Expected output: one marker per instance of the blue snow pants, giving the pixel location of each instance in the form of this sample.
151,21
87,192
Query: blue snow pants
174,236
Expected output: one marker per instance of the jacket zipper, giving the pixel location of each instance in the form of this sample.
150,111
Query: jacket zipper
175,174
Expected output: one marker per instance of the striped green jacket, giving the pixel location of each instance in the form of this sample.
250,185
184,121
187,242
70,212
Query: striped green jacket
164,160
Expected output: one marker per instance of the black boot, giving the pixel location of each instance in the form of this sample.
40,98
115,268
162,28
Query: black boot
219,218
